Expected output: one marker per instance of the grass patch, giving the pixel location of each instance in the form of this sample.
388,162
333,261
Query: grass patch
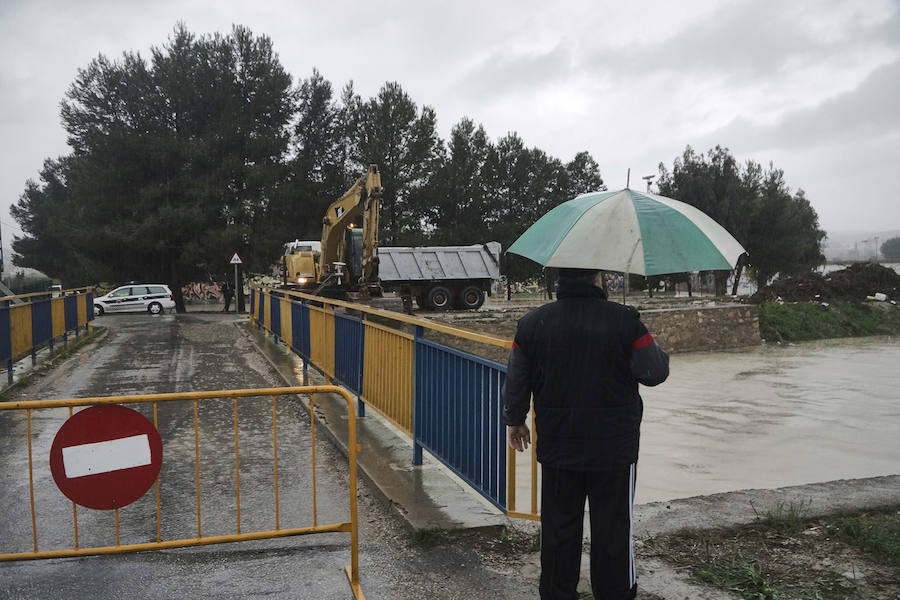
738,575
802,321
504,540
520,540
750,580
789,518
430,537
877,534
787,555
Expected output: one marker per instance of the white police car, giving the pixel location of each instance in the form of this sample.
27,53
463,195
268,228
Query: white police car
152,297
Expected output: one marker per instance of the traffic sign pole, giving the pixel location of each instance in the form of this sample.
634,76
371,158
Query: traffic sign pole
236,260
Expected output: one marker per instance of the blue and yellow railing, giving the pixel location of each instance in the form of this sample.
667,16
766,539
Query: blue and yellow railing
40,319
448,401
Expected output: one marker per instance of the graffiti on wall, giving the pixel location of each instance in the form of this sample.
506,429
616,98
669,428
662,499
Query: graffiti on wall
201,291
614,282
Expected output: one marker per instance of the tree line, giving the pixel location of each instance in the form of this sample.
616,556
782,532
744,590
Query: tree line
891,249
206,147
778,228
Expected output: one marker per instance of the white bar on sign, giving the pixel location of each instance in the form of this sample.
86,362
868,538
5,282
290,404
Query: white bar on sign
103,457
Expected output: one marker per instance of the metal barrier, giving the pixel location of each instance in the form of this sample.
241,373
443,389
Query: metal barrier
350,526
458,412
40,319
448,401
533,477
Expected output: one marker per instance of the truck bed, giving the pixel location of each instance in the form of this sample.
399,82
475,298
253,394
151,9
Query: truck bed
430,263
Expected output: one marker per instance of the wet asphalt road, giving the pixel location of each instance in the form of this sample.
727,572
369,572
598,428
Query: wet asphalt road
192,352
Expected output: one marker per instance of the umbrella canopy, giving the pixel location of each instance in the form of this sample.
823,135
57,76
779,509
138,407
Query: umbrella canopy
631,232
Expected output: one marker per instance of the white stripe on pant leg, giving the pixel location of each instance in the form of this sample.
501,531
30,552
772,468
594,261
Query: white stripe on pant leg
632,577
631,509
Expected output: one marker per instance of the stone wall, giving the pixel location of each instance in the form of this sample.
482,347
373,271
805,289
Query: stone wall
704,328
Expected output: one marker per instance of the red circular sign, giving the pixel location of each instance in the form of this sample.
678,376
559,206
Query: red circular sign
106,457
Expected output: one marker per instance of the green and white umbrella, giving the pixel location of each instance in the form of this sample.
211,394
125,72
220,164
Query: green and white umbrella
630,232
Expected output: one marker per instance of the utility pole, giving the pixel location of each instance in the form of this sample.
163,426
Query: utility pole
875,241
649,180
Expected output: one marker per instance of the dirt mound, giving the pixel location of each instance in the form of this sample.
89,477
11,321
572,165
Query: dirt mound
853,283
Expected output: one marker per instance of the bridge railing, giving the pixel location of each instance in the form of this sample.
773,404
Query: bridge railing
30,321
446,400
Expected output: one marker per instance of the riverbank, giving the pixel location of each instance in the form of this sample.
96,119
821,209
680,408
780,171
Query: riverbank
805,321
788,554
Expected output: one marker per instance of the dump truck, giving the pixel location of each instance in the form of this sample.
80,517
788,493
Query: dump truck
440,277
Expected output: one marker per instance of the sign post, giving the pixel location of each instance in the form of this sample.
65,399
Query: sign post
105,457
236,260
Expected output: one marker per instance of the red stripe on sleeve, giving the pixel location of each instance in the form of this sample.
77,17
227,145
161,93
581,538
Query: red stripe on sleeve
642,342
516,346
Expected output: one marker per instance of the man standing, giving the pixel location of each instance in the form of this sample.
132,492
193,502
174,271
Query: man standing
582,358
228,294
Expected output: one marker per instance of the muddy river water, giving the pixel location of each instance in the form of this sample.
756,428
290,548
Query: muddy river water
772,416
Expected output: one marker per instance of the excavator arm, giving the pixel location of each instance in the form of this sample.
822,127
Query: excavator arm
363,198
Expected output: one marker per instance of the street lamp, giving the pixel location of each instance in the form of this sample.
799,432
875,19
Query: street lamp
648,179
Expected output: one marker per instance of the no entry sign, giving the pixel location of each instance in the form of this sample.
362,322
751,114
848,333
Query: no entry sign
106,457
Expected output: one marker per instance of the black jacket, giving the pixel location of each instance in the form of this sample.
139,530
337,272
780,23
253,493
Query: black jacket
582,358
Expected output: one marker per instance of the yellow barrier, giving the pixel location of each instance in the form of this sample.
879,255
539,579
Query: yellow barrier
287,333
58,312
351,526
321,338
533,478
29,321
387,385
82,308
20,329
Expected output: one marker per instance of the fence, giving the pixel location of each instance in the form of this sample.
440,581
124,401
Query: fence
189,445
41,319
446,400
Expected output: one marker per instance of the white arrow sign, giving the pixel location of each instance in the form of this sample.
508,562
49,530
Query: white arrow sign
236,260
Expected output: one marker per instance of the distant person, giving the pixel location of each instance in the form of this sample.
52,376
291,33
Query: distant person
582,357
228,294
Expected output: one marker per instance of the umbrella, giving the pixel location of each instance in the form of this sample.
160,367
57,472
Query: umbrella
630,232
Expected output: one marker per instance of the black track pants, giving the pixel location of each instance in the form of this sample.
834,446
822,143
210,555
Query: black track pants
610,494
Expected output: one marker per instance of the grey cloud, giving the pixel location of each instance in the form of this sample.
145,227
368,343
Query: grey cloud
502,74
869,111
747,40
738,44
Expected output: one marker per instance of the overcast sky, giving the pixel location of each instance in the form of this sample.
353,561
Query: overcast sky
812,86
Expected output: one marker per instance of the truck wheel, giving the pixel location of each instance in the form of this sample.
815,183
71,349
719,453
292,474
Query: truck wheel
439,297
471,298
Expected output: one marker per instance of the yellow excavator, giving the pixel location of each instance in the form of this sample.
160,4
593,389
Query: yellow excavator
346,258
